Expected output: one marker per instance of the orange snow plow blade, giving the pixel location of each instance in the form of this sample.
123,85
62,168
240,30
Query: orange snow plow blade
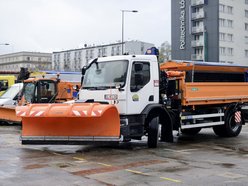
8,114
77,123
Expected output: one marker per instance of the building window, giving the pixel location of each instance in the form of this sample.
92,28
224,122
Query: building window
112,51
229,23
222,22
222,36
221,8
246,39
246,53
104,52
91,54
230,37
246,26
118,51
246,13
229,10
99,52
246,2
222,51
229,51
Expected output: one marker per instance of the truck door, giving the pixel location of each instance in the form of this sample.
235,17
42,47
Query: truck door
141,91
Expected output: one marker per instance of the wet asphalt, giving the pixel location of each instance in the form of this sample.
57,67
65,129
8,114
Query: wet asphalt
204,159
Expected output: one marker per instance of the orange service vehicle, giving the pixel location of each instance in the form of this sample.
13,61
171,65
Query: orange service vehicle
38,90
127,97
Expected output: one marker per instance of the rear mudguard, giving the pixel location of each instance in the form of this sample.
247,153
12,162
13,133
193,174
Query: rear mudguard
69,123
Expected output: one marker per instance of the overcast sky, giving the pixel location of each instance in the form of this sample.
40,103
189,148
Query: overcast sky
54,25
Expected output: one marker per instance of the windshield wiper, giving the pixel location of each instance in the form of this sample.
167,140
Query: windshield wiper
98,88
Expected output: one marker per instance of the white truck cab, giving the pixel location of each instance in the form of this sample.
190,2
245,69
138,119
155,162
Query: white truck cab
130,82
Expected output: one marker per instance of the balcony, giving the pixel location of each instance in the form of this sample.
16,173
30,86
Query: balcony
197,2
198,15
197,43
197,29
197,57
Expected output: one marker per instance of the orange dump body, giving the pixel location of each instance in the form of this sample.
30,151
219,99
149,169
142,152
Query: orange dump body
206,93
214,93
69,123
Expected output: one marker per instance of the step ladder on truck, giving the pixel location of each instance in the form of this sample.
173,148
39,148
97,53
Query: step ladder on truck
127,97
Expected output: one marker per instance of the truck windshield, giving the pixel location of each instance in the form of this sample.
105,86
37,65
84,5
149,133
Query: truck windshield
28,92
11,92
103,75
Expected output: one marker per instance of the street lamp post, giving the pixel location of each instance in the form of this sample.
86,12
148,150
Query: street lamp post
4,43
122,33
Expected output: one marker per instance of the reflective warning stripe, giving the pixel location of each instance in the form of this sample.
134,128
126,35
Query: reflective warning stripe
238,117
17,112
20,113
85,113
76,113
39,113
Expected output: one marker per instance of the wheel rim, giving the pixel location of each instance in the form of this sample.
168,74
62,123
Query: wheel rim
233,125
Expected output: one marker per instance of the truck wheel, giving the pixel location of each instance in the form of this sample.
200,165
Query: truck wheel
153,132
230,128
191,132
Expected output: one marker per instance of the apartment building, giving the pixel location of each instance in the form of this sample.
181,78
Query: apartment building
210,30
75,59
12,62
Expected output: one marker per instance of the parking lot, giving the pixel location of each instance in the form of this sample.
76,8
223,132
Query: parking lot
204,159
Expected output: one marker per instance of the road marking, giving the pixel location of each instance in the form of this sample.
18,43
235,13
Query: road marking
137,172
107,165
169,179
55,153
185,151
113,168
232,175
80,159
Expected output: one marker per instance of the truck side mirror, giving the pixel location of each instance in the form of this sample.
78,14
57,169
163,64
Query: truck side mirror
84,70
83,73
138,67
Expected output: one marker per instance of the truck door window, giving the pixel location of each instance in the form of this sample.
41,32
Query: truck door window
46,90
140,75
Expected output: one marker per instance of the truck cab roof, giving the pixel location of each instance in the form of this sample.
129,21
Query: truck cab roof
151,58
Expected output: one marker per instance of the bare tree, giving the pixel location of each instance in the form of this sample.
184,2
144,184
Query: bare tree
164,52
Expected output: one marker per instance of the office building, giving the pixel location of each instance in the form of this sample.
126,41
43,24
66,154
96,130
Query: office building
34,61
75,59
210,30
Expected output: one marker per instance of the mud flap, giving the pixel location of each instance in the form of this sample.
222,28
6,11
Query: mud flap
69,123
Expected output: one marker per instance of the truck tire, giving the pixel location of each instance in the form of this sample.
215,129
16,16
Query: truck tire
191,132
230,128
153,132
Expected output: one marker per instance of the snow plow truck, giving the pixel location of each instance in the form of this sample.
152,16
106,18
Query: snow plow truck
127,97
36,90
